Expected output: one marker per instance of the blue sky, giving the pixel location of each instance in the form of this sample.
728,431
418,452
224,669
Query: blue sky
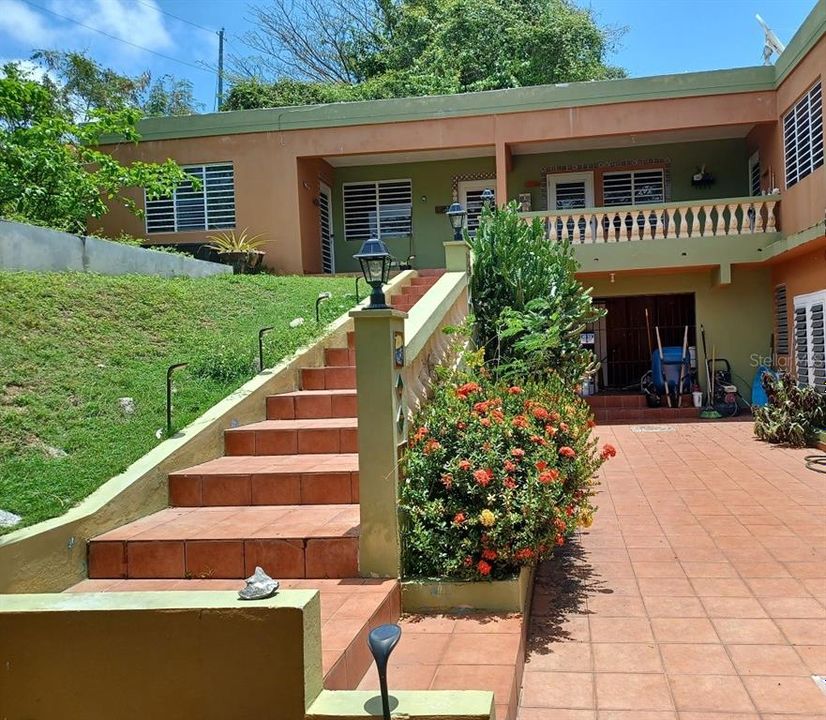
664,36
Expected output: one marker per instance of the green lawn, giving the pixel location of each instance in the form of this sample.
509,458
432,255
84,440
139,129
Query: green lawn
72,344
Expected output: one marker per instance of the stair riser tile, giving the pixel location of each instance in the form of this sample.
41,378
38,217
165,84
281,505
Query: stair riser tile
339,357
226,490
262,489
292,442
311,407
328,378
278,558
332,557
106,560
215,559
155,559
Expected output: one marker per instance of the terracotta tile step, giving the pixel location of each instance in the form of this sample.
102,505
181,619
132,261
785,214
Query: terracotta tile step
350,608
291,437
289,541
339,357
306,404
267,480
415,291
431,272
459,652
328,378
608,416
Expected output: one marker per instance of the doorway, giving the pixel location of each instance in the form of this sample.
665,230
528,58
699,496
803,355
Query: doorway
624,349
328,258
470,195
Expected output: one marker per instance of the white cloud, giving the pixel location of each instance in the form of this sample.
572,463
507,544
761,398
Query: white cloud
24,24
138,23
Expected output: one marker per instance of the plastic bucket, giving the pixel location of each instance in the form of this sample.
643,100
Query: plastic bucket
697,398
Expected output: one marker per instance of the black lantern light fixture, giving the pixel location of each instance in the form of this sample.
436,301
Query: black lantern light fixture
456,214
375,261
487,197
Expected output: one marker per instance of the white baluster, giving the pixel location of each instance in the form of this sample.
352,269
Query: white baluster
599,228
770,225
735,226
695,222
661,215
707,222
720,226
759,220
589,238
671,220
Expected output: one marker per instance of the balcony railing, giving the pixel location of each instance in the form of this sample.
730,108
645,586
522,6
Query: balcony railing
712,218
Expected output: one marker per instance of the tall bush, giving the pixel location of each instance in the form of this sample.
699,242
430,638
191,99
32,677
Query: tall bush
529,307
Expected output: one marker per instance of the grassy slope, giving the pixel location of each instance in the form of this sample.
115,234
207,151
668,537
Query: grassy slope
71,344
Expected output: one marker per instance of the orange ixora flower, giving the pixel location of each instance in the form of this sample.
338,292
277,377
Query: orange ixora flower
467,389
563,426
489,554
540,413
514,390
540,465
520,421
465,465
546,477
518,453
420,434
567,452
447,480
431,446
509,483
510,466
550,430
483,477
459,518
608,451
539,440
591,423
483,567
523,554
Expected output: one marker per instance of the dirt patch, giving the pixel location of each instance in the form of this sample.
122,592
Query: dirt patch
10,393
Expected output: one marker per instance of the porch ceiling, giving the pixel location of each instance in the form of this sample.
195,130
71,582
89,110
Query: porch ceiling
617,141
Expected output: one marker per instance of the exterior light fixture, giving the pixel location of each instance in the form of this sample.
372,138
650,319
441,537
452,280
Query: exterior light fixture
375,261
456,214
487,197
382,640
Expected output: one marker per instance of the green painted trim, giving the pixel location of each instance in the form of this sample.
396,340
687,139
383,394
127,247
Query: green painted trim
513,595
790,242
690,252
412,704
491,102
807,35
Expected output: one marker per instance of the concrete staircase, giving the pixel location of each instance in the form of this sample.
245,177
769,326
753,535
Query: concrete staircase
284,496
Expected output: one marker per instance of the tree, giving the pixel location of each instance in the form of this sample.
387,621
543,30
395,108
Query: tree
171,96
392,48
51,170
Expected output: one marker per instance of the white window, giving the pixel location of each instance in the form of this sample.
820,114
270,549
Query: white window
570,191
810,352
636,187
210,206
378,209
803,136
754,174
781,320
470,196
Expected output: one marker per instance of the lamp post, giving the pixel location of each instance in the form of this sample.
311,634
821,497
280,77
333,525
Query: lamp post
375,260
487,197
456,214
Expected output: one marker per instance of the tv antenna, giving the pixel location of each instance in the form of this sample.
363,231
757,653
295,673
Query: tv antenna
771,44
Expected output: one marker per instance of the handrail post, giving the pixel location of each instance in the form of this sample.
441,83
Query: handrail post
381,422
457,256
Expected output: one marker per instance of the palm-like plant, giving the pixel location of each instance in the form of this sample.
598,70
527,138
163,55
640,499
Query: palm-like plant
229,242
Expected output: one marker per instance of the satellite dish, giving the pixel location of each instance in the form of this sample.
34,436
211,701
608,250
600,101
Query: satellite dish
771,43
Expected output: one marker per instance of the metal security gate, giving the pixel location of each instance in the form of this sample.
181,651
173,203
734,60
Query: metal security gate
328,258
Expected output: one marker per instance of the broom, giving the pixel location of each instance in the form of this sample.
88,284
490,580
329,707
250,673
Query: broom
708,412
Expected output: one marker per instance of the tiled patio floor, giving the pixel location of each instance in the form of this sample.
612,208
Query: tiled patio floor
698,594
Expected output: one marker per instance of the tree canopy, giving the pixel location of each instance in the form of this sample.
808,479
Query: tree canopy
51,170
314,51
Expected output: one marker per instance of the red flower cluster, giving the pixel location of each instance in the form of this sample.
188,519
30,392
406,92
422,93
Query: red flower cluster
459,518
514,390
608,451
546,477
431,446
483,477
467,389
483,567
567,452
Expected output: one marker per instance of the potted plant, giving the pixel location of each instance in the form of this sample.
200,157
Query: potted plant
241,251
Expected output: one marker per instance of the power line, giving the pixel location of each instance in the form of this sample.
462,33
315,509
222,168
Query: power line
183,20
114,37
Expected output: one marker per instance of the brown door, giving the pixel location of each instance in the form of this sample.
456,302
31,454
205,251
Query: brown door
625,348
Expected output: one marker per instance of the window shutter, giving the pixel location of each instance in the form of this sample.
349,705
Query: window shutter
810,339
754,174
633,188
570,195
803,136
378,209
209,207
781,321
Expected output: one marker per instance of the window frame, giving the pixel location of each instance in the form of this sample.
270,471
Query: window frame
173,201
806,303
793,146
375,215
633,173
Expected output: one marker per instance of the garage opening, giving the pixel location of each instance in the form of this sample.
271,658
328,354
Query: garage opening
621,338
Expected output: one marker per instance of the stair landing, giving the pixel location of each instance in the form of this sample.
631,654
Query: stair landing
350,608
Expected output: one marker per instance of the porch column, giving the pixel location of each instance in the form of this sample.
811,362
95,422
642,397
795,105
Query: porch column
503,168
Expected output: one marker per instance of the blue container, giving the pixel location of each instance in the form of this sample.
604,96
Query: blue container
672,362
758,394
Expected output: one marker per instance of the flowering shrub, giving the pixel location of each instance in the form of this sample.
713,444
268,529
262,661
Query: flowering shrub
496,476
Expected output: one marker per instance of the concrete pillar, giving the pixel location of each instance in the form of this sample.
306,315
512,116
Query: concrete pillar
381,432
503,168
457,256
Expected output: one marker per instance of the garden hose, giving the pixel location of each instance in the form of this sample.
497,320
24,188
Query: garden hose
816,463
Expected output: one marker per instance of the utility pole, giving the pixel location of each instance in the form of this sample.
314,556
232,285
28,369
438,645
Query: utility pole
220,68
